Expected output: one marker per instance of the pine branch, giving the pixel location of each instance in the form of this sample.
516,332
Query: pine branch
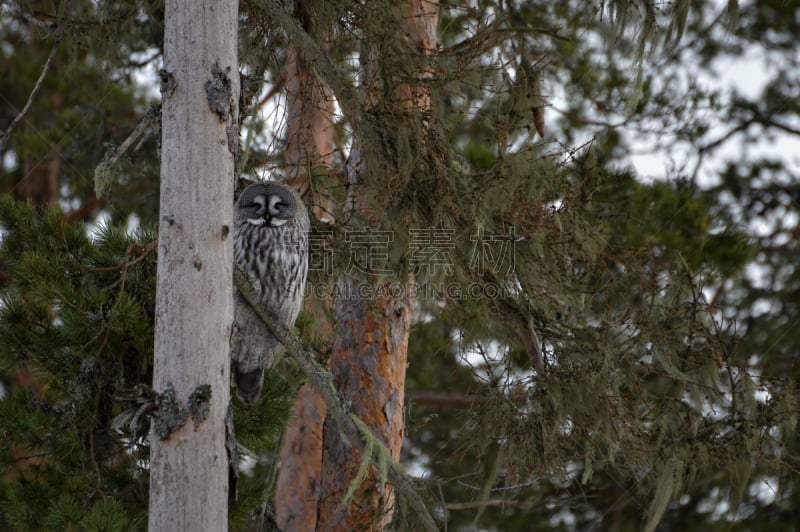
346,94
448,400
322,382
127,262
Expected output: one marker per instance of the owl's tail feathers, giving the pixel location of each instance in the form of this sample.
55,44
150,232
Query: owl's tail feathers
248,385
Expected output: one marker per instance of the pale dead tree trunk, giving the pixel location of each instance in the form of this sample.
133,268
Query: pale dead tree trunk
194,301
309,148
370,358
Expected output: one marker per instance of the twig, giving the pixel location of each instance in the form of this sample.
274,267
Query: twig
471,505
126,263
448,400
33,20
101,171
322,382
36,88
95,466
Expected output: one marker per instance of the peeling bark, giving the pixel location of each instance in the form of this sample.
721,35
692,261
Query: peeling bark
370,359
369,369
297,489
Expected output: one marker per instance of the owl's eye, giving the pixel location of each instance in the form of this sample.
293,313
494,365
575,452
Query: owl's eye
258,202
277,205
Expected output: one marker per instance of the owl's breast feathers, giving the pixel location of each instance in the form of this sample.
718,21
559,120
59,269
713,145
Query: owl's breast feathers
276,260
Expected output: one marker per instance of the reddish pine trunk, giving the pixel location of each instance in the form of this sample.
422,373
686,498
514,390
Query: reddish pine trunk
369,362
369,371
309,147
297,489
370,357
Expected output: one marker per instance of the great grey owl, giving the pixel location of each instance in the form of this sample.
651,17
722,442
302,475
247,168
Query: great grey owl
271,245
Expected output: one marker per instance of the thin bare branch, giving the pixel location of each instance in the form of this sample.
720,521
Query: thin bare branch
33,20
448,400
101,171
472,505
36,87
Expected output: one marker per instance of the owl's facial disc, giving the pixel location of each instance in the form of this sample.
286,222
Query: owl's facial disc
267,204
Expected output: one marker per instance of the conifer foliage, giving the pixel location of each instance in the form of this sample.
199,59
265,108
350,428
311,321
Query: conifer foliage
76,330
589,347
76,326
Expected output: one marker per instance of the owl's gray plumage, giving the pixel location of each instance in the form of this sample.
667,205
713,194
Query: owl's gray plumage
271,244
